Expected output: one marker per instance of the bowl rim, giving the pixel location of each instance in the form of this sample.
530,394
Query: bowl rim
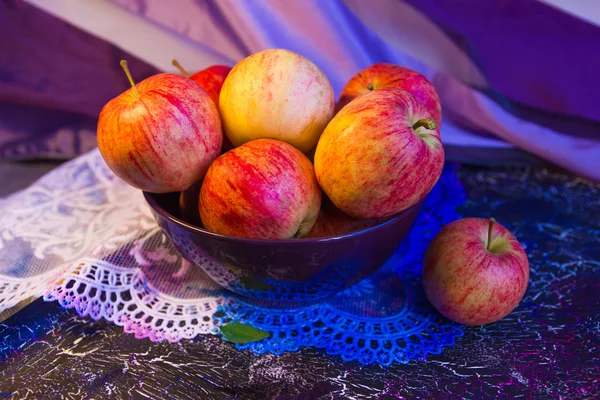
149,197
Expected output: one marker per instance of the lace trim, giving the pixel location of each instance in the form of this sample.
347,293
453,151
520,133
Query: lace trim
14,290
124,296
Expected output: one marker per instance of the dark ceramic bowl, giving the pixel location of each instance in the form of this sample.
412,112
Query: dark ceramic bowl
294,270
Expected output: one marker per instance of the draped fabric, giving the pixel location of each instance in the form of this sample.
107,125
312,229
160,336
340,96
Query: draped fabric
54,79
510,73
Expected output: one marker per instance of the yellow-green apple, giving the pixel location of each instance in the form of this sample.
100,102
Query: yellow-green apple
264,189
161,134
276,94
384,75
475,271
333,222
379,155
210,79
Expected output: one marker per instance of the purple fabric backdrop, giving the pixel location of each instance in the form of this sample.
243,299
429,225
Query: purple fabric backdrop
529,52
54,79
518,71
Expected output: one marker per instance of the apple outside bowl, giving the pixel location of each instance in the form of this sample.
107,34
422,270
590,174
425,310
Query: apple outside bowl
293,270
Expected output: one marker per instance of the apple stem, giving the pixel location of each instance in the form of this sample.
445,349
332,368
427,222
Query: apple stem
124,66
489,238
370,86
180,68
428,123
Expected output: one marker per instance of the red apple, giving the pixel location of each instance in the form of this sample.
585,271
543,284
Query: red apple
384,75
188,204
264,189
333,222
379,155
210,79
160,135
475,272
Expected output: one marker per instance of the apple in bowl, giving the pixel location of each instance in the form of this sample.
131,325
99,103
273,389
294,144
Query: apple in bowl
161,134
276,94
334,222
391,76
210,79
264,189
379,155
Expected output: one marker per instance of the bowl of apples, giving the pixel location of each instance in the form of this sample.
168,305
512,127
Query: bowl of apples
262,181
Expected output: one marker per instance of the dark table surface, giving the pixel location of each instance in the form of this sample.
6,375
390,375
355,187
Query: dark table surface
548,348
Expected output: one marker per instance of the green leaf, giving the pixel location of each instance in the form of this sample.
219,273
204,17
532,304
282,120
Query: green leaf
235,270
254,283
237,332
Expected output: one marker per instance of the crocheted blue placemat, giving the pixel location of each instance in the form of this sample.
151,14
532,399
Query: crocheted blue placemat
383,319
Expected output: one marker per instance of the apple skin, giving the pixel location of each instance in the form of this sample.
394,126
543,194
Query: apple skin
333,222
164,139
211,79
385,75
188,204
264,189
276,94
468,283
370,160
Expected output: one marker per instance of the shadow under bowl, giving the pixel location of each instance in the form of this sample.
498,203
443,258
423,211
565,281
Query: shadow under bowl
292,270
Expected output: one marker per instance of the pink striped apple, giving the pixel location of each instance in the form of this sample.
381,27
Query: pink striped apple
333,222
475,271
210,79
264,189
384,75
161,134
379,155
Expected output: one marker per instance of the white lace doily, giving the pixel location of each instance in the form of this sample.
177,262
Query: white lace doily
82,237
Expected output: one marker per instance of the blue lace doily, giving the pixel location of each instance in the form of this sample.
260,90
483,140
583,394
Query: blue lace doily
383,319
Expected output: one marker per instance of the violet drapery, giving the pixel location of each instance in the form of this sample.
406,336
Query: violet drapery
511,73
